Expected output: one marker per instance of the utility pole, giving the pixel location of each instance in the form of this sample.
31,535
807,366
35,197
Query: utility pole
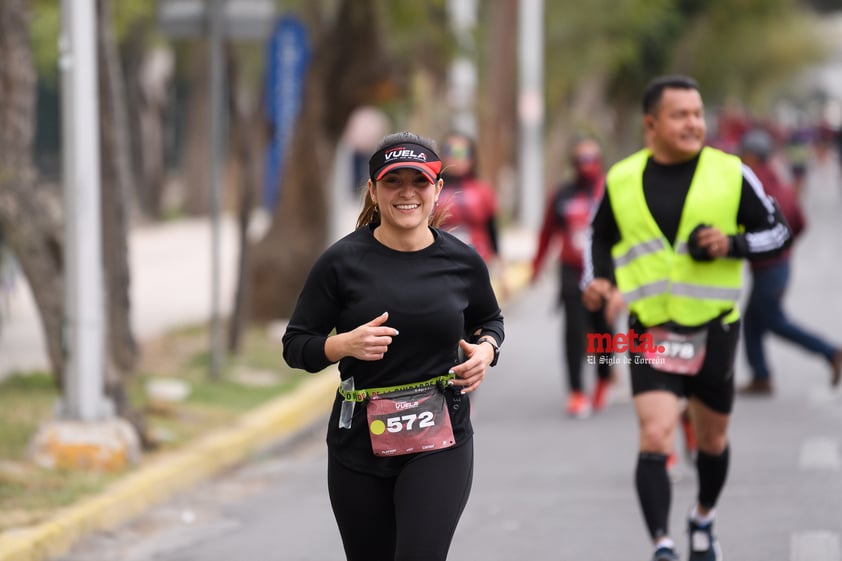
86,434
217,114
463,70
84,294
531,111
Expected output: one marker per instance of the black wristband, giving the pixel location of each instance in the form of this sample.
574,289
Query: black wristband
490,340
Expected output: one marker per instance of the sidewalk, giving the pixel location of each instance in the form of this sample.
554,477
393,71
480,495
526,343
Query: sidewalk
171,290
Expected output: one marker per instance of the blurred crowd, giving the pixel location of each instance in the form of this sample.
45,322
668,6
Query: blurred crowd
798,151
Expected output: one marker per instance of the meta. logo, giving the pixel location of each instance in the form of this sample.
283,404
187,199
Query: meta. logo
622,342
405,154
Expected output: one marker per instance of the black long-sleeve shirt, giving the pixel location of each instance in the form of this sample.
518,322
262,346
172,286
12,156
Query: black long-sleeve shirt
434,297
665,188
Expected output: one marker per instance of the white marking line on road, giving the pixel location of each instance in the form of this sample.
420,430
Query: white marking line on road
819,453
821,396
815,546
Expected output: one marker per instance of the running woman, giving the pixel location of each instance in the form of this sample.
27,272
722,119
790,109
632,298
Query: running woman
409,312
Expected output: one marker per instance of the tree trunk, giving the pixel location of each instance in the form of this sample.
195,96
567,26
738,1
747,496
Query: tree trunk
196,177
247,148
299,228
497,122
348,68
497,108
147,73
116,188
30,215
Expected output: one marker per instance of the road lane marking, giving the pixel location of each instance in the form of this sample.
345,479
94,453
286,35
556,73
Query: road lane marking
822,397
815,546
821,453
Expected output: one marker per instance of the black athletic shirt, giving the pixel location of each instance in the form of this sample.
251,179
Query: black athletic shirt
665,188
434,297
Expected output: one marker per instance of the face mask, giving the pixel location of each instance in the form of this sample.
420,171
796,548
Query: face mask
589,172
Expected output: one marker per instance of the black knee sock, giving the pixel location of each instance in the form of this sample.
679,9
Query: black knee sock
654,491
712,473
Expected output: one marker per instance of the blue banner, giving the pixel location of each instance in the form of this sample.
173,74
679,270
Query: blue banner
287,57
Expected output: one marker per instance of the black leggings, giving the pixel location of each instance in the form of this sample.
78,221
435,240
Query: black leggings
578,322
410,517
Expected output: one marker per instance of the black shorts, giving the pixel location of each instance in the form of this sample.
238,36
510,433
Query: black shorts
713,385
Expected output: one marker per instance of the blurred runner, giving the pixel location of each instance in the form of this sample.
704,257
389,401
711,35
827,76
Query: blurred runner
670,233
770,277
468,204
567,222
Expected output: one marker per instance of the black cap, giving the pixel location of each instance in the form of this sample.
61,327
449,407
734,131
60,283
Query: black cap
404,155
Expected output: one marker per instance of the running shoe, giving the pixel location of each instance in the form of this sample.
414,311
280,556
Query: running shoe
757,387
665,554
578,405
600,394
703,543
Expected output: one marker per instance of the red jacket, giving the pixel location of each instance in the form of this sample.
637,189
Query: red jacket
567,218
470,208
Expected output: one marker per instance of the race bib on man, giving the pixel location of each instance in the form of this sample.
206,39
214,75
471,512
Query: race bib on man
409,421
676,353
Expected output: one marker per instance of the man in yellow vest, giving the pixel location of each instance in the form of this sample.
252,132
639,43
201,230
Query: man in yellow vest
675,222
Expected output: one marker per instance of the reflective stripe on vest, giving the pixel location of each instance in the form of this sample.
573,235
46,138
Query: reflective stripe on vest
661,283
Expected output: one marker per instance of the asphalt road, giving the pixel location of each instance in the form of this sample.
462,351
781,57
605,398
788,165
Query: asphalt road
546,486
550,487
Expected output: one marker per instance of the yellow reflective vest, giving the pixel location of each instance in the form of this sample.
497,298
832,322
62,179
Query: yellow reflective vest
661,282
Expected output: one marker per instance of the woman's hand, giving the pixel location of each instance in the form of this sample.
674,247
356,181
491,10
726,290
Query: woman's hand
369,341
471,373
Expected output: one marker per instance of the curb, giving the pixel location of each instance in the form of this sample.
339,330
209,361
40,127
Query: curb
151,484
280,419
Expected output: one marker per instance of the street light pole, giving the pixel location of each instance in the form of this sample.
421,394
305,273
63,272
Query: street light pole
531,111
84,335
86,433
217,111
463,71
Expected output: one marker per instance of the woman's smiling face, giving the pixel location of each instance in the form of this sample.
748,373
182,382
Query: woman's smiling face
406,199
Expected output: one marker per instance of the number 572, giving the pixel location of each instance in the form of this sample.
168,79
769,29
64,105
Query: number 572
397,424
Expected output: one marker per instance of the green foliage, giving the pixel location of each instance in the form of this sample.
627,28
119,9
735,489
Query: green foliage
615,37
25,401
30,494
743,47
419,38
125,15
45,29
234,396
750,54
418,33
